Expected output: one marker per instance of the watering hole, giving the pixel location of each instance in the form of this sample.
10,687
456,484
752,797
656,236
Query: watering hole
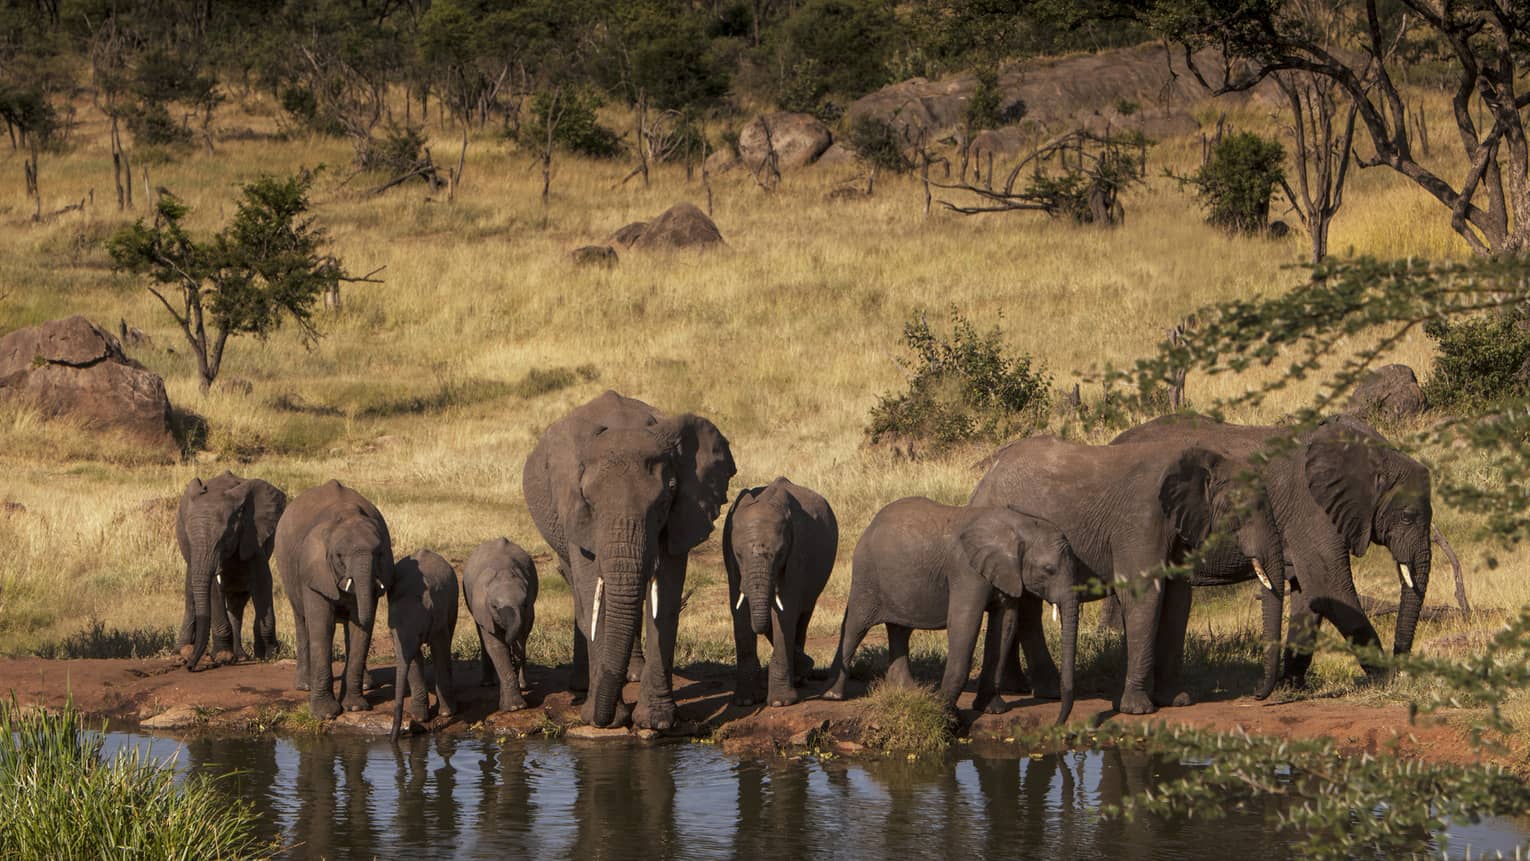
474,797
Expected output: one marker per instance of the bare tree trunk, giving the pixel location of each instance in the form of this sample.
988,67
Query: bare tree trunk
706,176
117,166
454,178
31,170
642,134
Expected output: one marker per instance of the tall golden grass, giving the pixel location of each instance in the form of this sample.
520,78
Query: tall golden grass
785,339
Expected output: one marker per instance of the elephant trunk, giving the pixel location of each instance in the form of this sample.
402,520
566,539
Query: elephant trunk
1271,602
757,585
509,620
614,618
1415,585
363,585
402,657
1068,610
199,575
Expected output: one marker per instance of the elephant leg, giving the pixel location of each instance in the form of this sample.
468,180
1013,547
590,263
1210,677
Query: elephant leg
486,670
1110,614
300,642
898,671
988,700
358,641
1301,640
1142,616
221,635
852,631
656,699
579,673
802,663
746,685
1169,647
441,658
783,691
235,604
498,653
963,616
320,636
415,688
636,662
1010,678
264,627
1045,681
1342,608
188,636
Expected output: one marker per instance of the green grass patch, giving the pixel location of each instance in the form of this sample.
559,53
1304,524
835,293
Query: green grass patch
905,720
99,641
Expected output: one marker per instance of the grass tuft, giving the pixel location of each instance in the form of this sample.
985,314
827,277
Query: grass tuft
905,720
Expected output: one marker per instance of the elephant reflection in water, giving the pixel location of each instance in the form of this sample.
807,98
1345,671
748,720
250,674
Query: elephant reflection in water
508,806
773,816
251,773
335,810
626,804
425,811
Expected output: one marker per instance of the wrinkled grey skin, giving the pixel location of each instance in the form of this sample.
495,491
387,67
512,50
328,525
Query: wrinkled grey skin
422,609
336,560
1127,511
779,543
225,529
1335,490
921,564
622,493
499,583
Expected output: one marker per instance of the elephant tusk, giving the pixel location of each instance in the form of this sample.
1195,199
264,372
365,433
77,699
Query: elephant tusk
1056,616
1158,583
219,578
779,605
739,603
600,588
1263,577
346,586
653,599
1407,576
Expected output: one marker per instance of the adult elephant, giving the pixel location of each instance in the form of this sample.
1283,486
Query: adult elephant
1126,512
1335,490
336,558
622,493
225,529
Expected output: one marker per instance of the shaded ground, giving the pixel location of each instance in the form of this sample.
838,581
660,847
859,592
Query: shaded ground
245,698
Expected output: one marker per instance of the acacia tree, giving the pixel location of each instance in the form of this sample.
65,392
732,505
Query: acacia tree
267,264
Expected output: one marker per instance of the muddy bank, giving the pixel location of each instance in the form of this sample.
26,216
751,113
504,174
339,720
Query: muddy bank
256,697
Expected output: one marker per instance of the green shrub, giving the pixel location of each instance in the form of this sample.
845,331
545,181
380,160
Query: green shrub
576,126
850,41
152,125
877,143
1482,360
1236,183
964,388
399,150
905,720
986,109
63,800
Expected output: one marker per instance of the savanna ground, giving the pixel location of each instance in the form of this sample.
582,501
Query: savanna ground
427,391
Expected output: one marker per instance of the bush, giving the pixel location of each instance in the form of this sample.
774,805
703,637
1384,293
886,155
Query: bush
1482,360
576,126
905,720
152,125
397,153
961,389
849,40
877,143
62,799
986,108
1236,184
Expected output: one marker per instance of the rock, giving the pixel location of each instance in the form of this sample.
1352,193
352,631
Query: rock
646,734
586,732
629,234
176,717
1390,392
376,721
680,226
836,154
722,161
798,140
849,746
73,367
594,255
236,386
132,337
1277,230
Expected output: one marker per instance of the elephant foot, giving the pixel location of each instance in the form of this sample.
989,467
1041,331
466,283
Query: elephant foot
357,703
836,692
619,716
1137,703
512,704
659,715
184,652
992,705
1179,700
635,670
1266,687
224,657
416,712
1014,683
324,708
785,697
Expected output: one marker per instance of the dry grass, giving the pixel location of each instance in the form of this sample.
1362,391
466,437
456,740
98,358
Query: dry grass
427,392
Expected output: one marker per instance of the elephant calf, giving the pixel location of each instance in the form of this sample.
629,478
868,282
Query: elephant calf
779,543
422,608
499,584
921,564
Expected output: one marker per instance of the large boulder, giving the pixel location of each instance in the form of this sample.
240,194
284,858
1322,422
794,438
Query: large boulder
1390,392
74,368
680,226
798,140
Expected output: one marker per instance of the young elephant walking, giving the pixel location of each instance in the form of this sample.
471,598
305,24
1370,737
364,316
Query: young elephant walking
499,584
921,564
779,544
422,609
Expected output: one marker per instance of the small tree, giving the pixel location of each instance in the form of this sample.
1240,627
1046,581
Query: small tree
265,265
1236,183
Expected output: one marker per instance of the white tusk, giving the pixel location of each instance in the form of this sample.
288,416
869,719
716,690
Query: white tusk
653,599
1407,576
1263,577
1158,583
1056,616
219,578
600,588
778,603
346,586
739,603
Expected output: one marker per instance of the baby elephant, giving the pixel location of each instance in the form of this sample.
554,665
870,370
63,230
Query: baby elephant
500,586
779,544
422,608
924,565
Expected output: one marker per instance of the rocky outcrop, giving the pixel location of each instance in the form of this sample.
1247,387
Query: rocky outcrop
797,139
72,367
1390,392
680,226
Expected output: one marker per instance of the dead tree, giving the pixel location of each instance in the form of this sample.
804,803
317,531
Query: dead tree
1080,175
767,174
1323,134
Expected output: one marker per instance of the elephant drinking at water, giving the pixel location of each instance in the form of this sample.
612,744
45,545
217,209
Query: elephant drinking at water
622,493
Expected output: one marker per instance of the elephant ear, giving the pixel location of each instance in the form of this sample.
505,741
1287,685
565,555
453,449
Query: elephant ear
1185,493
703,465
313,562
483,614
194,488
1343,476
992,544
565,468
263,507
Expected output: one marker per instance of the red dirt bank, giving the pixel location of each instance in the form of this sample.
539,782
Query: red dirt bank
159,694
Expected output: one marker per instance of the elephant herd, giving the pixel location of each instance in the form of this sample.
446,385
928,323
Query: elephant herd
622,493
